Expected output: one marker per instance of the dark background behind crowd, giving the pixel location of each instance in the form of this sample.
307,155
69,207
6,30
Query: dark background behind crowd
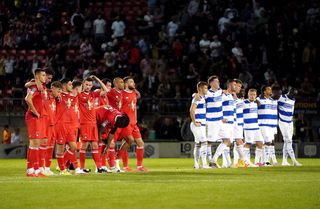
168,46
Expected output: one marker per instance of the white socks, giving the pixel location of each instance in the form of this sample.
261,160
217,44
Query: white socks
235,154
226,156
196,154
246,152
284,153
266,154
273,154
219,151
203,154
259,156
288,145
209,151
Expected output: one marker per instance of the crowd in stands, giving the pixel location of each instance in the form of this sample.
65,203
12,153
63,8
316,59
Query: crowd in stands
168,46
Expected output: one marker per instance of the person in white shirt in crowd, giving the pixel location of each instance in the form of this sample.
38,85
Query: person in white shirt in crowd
257,9
118,27
237,52
269,76
172,28
204,43
16,138
99,28
215,47
9,67
193,7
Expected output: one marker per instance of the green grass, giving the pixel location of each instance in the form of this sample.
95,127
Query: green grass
170,183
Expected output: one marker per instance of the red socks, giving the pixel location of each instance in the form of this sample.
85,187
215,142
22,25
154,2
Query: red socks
32,158
139,153
82,158
60,160
70,156
48,157
42,154
96,157
125,158
111,156
103,156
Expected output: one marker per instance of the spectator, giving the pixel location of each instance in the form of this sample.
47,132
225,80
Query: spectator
269,76
86,50
99,28
193,7
172,28
77,20
16,137
6,135
9,67
204,43
246,77
215,47
118,27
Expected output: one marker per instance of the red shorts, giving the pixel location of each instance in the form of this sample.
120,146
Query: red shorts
65,133
131,129
89,132
45,125
51,136
35,128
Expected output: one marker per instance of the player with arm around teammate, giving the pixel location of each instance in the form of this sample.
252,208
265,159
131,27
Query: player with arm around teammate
252,133
286,109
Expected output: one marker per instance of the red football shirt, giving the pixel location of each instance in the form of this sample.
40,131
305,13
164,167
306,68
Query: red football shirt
63,106
129,105
115,98
37,100
100,100
86,107
73,111
106,116
52,110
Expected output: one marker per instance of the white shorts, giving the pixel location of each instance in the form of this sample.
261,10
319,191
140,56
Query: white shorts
267,133
214,130
286,130
227,131
199,133
237,132
253,136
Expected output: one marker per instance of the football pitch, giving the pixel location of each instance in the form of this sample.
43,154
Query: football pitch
169,183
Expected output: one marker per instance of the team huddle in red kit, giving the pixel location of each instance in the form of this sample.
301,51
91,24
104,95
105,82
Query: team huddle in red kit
69,111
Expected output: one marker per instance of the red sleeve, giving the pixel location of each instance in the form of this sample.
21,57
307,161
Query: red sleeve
96,93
